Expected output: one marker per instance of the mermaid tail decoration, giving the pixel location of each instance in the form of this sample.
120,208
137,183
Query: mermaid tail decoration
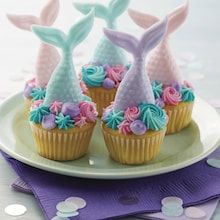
161,65
136,87
48,56
106,52
64,85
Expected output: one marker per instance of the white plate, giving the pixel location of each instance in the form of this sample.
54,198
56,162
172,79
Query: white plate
180,150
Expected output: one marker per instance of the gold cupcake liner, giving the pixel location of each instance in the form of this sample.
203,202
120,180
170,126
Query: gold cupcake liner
179,116
61,145
132,149
102,97
27,106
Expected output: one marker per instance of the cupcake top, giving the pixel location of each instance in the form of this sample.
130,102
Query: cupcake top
109,62
162,66
64,105
43,69
103,76
134,109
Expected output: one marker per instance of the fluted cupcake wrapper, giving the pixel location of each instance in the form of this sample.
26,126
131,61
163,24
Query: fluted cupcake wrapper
179,116
133,149
27,106
62,145
102,97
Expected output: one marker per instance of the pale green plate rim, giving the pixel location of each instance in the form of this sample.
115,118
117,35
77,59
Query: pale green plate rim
204,132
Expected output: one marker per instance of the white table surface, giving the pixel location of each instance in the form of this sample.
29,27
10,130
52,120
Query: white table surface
199,36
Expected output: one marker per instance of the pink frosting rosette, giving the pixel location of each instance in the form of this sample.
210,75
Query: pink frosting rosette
115,74
56,107
124,127
131,114
88,110
83,87
171,96
80,120
37,103
32,82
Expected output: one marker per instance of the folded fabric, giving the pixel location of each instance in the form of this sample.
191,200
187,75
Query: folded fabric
208,207
195,184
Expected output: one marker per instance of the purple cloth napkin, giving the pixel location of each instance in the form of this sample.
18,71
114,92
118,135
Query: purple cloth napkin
208,207
114,198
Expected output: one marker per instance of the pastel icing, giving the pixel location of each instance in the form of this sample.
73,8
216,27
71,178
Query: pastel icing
106,51
36,115
70,109
153,116
187,94
132,113
48,122
147,117
114,118
64,121
88,110
93,75
108,83
56,107
171,96
37,103
46,52
115,74
80,120
159,102
138,127
124,127
161,65
38,93
157,89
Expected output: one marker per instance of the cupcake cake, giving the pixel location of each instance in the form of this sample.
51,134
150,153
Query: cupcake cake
134,126
171,91
104,73
48,56
63,123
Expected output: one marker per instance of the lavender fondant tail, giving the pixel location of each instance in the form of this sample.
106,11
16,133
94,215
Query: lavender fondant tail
135,88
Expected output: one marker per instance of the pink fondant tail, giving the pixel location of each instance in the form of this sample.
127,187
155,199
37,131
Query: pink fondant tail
175,18
47,17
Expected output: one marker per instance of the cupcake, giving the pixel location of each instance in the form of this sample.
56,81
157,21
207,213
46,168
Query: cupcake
171,91
104,73
48,56
63,123
134,126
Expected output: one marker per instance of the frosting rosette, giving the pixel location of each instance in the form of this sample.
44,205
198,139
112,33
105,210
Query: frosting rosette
114,119
93,75
38,93
124,127
131,114
187,94
36,115
108,77
64,121
63,115
115,74
153,117
171,96
157,89
88,110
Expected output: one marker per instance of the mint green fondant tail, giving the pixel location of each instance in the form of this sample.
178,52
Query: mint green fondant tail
109,14
64,85
106,52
